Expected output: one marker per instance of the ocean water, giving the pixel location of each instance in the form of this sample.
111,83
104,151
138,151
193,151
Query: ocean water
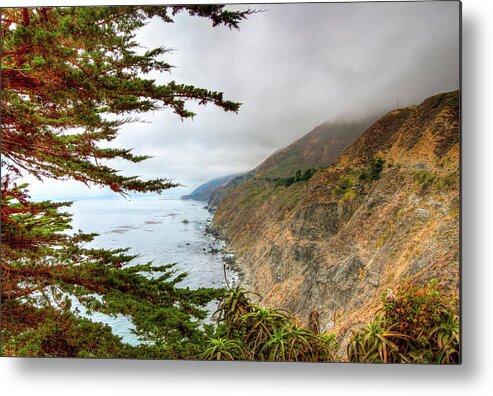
157,229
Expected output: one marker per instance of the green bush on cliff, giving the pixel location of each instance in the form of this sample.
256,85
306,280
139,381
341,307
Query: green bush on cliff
298,177
355,181
250,332
344,189
426,179
373,170
416,325
451,99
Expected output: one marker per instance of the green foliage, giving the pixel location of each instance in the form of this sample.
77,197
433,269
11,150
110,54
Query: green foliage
234,306
344,190
355,181
259,326
47,332
376,343
71,77
373,170
43,267
222,349
299,176
415,325
446,98
427,179
257,333
77,67
258,191
326,347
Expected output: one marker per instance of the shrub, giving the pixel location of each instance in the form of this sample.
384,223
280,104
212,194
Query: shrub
354,182
345,187
297,178
258,333
416,325
373,170
426,179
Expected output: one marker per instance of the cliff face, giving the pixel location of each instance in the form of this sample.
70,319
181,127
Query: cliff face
387,209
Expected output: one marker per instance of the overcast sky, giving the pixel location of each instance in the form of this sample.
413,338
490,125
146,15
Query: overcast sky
293,67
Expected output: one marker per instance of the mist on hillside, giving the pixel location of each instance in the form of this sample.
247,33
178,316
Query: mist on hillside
293,66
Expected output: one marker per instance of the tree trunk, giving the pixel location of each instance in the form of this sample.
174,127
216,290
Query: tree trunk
25,17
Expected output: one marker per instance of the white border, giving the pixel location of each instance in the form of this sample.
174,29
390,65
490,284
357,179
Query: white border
111,377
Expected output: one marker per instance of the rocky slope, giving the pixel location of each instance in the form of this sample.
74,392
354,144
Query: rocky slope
386,210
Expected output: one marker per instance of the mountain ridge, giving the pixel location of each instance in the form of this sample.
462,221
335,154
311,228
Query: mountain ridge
204,190
316,149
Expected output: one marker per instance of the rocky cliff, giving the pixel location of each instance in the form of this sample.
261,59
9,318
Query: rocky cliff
386,210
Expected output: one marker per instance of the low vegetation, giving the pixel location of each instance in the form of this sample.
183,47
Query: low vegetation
426,179
300,176
353,182
345,190
373,170
248,331
415,325
257,193
451,99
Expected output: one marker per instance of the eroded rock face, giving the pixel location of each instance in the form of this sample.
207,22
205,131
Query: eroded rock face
319,246
316,221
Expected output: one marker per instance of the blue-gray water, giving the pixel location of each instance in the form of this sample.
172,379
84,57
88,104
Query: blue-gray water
160,229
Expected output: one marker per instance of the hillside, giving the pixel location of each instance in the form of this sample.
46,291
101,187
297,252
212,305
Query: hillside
318,148
217,194
386,210
204,191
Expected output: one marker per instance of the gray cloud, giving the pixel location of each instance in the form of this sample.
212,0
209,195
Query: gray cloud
293,67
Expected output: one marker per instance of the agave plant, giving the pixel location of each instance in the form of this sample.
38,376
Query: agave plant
259,326
376,343
275,337
232,308
427,323
288,343
222,349
446,335
301,344
276,347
